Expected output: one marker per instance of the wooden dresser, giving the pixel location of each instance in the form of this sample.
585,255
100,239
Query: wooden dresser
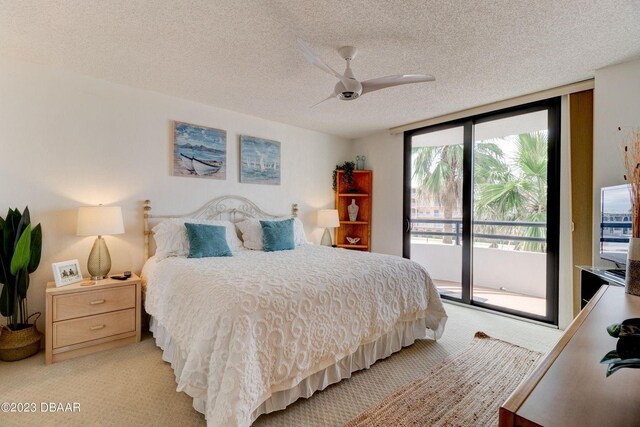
85,319
570,387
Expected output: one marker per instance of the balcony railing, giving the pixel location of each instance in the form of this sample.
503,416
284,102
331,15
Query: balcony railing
609,238
456,234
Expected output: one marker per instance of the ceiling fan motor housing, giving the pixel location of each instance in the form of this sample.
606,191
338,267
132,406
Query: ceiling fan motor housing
353,91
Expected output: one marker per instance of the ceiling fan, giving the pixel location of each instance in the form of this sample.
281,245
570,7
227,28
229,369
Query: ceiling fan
348,88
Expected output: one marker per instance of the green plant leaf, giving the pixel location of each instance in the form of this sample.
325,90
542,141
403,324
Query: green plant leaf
9,234
610,357
36,248
3,264
7,298
22,252
25,220
624,363
614,330
22,283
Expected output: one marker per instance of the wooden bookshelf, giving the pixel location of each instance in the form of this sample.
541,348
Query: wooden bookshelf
360,191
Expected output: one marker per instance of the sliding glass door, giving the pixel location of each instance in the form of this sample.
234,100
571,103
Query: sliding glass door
435,220
482,208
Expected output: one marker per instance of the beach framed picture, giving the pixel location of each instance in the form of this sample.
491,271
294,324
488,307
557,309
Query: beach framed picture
199,151
66,272
259,161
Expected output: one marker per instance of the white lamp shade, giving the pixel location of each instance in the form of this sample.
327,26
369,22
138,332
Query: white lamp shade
328,218
99,221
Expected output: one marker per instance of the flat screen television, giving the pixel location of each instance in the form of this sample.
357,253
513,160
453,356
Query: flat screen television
615,225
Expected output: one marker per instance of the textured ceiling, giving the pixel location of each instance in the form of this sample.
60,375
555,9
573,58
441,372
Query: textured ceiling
242,55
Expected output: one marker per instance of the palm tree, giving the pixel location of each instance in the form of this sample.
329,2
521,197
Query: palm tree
520,193
438,170
505,190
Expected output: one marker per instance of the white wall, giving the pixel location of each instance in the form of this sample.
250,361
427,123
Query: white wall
517,271
616,103
384,155
68,140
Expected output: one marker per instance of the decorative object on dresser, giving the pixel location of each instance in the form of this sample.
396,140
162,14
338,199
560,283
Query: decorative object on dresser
360,162
259,161
328,218
355,217
66,272
83,320
353,240
19,257
99,221
631,162
627,352
199,151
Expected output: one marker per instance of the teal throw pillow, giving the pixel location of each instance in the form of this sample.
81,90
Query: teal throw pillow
207,241
278,235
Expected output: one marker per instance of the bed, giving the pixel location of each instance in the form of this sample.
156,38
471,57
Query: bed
252,333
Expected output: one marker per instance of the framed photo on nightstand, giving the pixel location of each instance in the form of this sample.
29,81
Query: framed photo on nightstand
66,272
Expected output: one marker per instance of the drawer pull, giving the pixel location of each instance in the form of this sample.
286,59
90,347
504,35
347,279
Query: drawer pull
95,328
98,301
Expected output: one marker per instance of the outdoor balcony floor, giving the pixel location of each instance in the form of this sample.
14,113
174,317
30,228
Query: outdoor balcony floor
497,297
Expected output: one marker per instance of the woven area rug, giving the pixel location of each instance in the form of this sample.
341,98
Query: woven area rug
466,390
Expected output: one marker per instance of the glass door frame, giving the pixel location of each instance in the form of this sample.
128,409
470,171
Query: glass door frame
552,106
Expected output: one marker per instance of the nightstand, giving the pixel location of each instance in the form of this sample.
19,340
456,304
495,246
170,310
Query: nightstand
85,319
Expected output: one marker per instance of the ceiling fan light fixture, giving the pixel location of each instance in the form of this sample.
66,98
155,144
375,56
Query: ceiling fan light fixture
348,96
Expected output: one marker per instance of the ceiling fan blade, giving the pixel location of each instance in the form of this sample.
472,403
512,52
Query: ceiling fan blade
314,59
397,80
333,95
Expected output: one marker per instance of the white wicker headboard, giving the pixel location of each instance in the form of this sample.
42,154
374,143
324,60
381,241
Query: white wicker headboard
231,208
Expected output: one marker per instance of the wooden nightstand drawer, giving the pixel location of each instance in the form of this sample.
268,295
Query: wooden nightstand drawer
91,316
69,332
89,303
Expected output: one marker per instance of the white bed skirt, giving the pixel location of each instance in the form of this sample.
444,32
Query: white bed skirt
404,334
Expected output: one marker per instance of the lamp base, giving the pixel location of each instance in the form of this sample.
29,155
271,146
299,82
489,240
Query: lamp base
326,238
99,262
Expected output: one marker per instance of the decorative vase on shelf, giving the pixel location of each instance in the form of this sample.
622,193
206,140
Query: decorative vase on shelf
353,213
632,279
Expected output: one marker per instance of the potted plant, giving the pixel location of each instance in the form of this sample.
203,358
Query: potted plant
20,250
347,176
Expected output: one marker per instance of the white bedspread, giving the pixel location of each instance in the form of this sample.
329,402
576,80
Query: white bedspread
256,323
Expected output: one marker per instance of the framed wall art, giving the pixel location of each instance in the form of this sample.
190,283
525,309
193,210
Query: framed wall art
199,151
259,161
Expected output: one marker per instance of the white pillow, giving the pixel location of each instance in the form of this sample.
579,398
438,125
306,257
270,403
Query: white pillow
172,240
252,233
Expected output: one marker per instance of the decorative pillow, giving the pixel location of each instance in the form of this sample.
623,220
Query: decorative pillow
207,240
252,233
278,235
171,236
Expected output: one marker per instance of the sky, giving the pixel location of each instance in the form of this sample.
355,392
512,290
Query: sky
616,199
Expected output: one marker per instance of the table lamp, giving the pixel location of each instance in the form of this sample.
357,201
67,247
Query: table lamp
99,221
328,218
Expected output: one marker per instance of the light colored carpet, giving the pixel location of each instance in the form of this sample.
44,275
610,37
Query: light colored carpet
132,386
464,390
